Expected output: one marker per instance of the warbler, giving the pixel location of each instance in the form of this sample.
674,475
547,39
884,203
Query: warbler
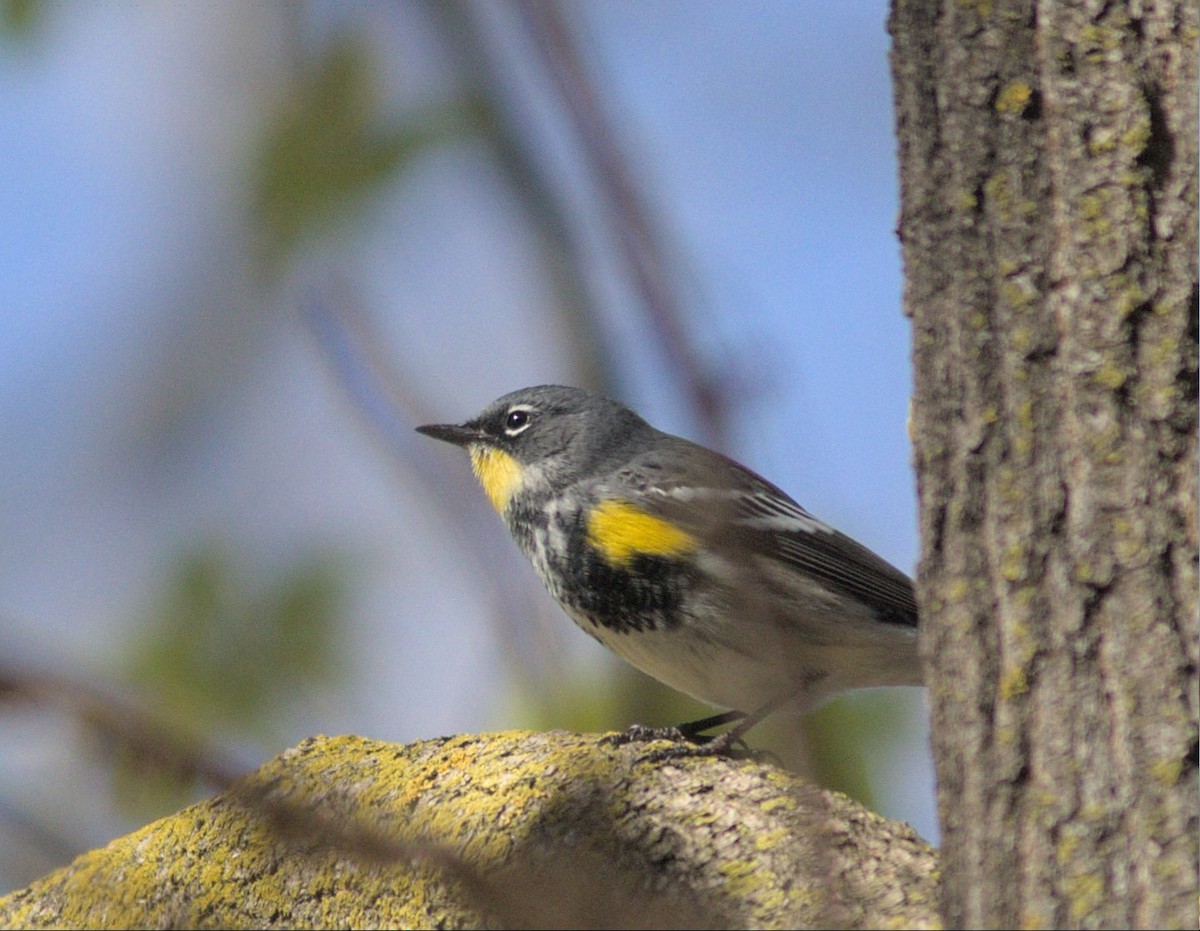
686,564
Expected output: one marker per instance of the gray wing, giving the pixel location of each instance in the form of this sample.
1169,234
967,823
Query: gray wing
736,511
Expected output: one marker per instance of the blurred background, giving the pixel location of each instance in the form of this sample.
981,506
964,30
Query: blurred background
245,248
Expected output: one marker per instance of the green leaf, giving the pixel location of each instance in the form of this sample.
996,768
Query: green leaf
18,17
222,652
219,652
327,147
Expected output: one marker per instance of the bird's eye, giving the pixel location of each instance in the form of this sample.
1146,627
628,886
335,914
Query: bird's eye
516,421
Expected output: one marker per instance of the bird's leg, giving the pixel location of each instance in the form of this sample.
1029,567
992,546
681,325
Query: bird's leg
687,737
688,732
722,744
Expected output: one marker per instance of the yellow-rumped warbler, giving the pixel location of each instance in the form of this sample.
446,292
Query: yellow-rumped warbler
690,566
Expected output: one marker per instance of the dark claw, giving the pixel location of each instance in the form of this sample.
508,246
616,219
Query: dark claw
728,745
693,729
640,733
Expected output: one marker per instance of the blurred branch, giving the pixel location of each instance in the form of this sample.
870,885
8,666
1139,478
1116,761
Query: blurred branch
120,723
391,405
640,243
356,353
52,846
162,746
558,242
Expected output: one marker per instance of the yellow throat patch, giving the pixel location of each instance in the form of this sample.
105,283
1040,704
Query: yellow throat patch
498,473
620,531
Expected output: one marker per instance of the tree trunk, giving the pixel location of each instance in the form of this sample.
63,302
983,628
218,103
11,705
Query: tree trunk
1048,189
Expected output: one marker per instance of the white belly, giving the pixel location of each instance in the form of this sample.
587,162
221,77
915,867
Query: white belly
772,664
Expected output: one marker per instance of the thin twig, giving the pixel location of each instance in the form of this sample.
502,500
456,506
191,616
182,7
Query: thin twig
639,242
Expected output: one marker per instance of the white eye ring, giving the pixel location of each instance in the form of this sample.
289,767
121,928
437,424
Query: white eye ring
517,420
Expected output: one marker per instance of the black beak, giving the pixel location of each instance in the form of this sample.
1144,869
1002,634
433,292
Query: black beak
454,433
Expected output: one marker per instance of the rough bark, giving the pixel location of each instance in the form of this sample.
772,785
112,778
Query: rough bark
1048,189
503,830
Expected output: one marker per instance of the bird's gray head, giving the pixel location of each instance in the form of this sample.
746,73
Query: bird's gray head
549,434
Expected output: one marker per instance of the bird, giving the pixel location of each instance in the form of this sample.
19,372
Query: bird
687,564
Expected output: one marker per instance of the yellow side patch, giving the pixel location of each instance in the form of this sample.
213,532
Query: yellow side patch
498,473
621,531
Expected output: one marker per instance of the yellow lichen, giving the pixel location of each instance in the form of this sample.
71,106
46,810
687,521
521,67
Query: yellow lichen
1166,772
998,191
1021,339
1014,97
1110,375
1102,141
1013,682
1033,921
1084,895
982,8
1136,137
957,590
1012,562
745,878
770,839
